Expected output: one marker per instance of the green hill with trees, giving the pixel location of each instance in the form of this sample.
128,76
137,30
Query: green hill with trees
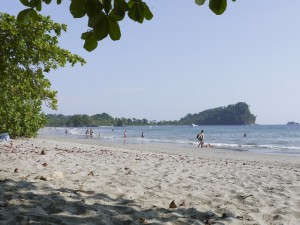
238,114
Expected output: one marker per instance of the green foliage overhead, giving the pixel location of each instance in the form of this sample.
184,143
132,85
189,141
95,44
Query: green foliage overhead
26,53
237,114
105,15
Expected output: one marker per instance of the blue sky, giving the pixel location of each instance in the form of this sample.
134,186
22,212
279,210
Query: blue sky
185,60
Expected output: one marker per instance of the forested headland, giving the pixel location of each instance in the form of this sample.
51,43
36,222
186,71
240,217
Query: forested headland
235,114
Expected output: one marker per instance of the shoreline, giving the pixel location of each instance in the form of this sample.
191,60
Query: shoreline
169,148
164,137
84,181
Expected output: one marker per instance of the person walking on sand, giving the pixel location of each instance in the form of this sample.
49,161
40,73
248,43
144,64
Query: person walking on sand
201,138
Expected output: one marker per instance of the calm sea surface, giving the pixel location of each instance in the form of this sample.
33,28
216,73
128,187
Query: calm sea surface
274,139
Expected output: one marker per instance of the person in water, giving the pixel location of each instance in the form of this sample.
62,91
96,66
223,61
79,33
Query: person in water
200,137
91,133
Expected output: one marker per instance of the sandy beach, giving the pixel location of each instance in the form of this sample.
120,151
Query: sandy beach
86,182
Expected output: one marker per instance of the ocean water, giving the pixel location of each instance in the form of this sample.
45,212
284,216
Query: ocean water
273,139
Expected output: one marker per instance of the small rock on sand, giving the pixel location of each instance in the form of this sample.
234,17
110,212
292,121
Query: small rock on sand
57,175
173,205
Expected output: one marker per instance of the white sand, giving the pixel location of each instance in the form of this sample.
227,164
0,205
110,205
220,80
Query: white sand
80,183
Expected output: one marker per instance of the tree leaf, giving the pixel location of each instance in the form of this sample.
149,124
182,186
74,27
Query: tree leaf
135,13
107,5
131,3
93,21
47,1
93,7
26,15
119,10
58,2
25,2
140,13
33,3
33,15
90,43
121,4
77,8
86,35
101,29
218,6
117,13
114,29
148,14
200,2
39,5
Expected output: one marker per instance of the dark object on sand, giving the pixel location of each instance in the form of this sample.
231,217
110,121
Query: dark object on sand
173,205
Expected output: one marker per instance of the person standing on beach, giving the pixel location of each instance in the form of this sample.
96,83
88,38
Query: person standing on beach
201,138
143,134
87,133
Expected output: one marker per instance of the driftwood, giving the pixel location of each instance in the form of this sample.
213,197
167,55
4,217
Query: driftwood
242,197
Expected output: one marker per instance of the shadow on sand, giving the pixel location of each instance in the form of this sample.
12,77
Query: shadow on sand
22,203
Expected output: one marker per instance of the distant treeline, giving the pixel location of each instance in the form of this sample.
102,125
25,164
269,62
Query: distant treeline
104,119
237,114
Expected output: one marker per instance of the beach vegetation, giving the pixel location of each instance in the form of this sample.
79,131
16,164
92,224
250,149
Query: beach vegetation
104,16
28,52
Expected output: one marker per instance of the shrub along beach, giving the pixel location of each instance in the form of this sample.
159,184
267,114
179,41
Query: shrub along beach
53,180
